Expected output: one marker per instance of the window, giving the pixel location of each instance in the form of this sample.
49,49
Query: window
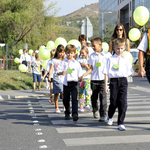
118,2
130,5
130,21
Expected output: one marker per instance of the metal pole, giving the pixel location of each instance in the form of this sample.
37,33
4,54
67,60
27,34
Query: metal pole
6,56
102,28
86,29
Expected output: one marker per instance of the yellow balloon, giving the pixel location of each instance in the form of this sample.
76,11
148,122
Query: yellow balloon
59,41
44,64
134,34
30,51
141,15
20,51
128,55
17,60
23,68
44,53
105,46
50,45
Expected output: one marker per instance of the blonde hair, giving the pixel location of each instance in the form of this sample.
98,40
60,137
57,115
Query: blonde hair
119,41
85,49
70,48
52,52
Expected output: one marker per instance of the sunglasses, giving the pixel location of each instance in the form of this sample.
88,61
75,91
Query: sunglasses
119,29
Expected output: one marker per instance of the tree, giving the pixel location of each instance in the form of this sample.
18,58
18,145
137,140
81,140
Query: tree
108,32
21,20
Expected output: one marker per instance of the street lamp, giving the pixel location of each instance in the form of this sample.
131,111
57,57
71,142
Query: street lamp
103,22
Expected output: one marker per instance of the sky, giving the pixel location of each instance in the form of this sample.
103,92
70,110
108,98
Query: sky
69,6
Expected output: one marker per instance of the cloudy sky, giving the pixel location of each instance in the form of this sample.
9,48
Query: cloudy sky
68,6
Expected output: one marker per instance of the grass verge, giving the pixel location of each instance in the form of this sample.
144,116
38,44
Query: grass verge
14,80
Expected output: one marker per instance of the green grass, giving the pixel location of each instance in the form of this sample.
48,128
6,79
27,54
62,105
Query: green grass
14,80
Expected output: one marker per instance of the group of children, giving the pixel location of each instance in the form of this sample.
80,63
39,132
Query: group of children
78,78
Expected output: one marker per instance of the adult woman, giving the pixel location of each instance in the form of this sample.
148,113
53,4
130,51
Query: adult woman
119,32
82,39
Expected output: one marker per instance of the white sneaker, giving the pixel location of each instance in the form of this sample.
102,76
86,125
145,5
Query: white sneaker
81,110
57,111
87,107
121,127
110,121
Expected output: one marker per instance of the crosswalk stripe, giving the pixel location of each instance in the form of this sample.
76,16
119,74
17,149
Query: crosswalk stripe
92,120
101,128
137,114
107,140
141,89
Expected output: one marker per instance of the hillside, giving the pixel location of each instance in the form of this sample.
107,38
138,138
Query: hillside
87,11
73,21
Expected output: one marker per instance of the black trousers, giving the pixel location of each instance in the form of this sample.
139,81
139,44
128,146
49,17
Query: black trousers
24,62
148,74
73,90
118,98
98,89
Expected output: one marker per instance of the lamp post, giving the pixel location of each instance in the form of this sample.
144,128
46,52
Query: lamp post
103,22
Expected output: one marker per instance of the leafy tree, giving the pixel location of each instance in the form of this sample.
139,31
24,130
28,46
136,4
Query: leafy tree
24,20
108,32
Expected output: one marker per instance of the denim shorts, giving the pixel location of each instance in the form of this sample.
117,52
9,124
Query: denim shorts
38,76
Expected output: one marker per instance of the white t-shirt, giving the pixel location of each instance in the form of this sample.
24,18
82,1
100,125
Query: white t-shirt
37,51
49,66
32,58
55,62
36,67
25,57
125,67
143,46
72,65
84,70
97,73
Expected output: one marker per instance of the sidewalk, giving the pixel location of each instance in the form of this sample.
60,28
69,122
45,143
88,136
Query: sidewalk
13,94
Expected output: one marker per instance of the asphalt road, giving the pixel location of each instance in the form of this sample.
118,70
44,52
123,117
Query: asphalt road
31,124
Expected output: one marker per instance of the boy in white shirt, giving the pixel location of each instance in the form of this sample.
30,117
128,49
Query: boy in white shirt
72,71
118,68
97,62
24,58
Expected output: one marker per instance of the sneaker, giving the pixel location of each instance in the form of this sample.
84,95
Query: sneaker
57,111
102,119
81,109
109,121
64,110
75,117
95,114
87,107
67,116
121,127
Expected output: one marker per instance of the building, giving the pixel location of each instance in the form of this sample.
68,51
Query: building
118,11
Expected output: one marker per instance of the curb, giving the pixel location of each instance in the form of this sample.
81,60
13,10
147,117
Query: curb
5,97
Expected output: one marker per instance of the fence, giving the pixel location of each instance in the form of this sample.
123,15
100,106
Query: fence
9,64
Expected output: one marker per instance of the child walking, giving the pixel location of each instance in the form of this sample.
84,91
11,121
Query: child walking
52,52
117,68
36,72
84,86
71,70
97,62
57,84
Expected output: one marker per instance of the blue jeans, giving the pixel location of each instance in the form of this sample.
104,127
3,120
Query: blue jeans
38,76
